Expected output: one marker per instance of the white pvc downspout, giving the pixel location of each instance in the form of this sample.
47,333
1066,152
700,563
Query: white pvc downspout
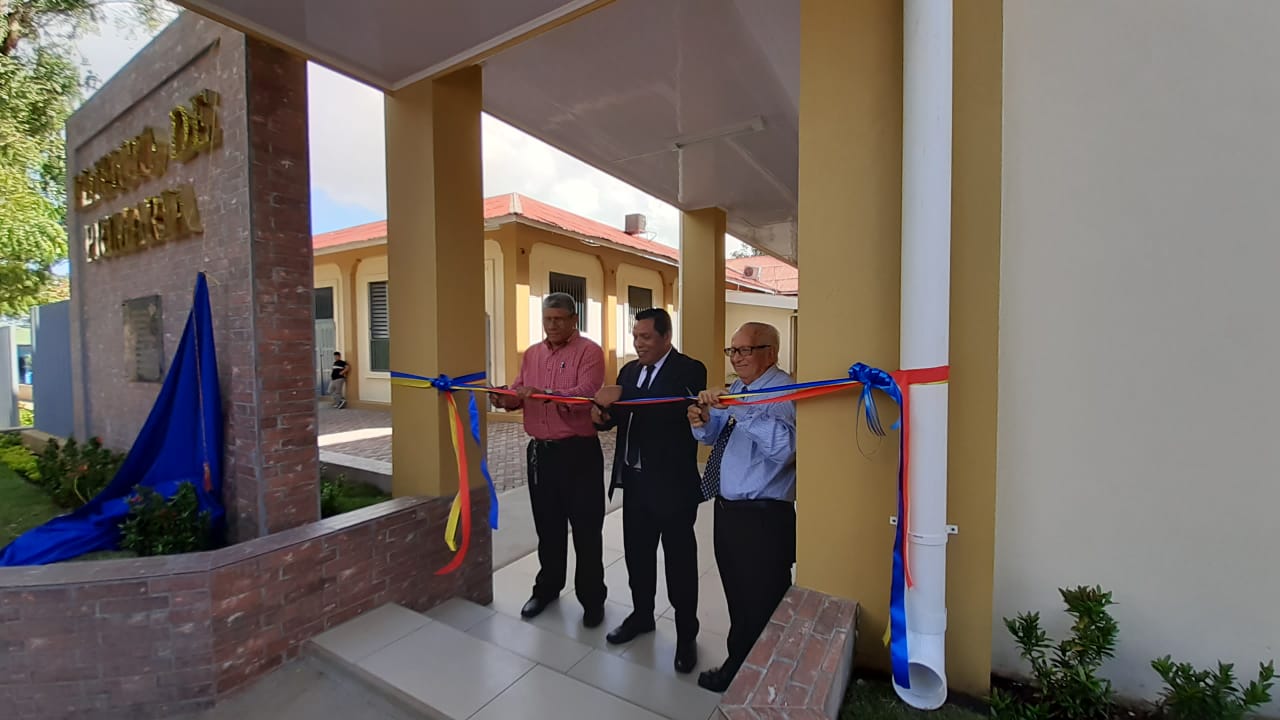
925,332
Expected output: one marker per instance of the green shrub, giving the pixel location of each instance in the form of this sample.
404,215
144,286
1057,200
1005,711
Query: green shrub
26,417
73,473
340,496
21,461
1067,681
330,494
1192,694
155,526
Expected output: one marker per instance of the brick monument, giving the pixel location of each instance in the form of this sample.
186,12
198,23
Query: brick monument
195,158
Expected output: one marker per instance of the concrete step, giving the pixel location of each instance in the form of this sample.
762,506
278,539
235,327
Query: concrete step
557,639
465,661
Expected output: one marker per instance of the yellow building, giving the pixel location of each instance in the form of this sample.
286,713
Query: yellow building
530,250
1093,183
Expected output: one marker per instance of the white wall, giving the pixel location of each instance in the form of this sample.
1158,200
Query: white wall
373,386
743,307
495,293
633,276
1140,283
330,275
545,259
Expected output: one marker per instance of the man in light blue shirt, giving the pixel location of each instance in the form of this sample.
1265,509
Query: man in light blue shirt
751,475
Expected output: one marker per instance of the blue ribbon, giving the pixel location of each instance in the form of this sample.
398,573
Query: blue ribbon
876,379
444,383
484,461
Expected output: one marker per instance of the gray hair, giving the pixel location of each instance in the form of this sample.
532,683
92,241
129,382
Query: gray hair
764,331
560,301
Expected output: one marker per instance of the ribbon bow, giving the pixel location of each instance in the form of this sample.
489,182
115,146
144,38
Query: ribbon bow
875,379
460,510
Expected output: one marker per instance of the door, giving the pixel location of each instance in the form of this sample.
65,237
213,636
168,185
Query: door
326,333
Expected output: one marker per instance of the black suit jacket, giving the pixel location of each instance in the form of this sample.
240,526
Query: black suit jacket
659,433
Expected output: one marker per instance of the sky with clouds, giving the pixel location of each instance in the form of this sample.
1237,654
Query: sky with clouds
348,181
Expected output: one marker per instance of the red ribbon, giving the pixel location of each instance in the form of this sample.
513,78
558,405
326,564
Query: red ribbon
905,379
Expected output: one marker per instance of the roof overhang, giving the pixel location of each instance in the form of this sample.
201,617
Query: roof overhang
695,102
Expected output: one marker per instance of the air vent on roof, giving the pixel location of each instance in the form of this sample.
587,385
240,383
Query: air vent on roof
751,271
634,224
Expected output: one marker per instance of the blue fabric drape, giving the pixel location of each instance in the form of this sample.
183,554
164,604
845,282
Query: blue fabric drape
180,442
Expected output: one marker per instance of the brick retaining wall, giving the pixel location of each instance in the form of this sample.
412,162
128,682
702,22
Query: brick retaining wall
799,668
154,637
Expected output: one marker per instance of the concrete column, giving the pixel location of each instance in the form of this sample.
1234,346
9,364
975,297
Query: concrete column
849,247
849,233
8,378
435,253
701,323
616,339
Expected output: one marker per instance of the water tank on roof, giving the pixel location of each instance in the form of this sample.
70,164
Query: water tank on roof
634,224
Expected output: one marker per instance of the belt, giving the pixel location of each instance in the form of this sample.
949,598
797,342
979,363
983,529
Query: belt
753,504
538,443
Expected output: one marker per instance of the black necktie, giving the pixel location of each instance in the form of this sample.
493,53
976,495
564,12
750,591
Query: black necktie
646,380
711,477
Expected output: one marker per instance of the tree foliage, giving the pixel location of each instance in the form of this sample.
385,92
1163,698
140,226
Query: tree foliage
41,83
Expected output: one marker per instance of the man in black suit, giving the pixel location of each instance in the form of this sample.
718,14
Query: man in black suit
656,462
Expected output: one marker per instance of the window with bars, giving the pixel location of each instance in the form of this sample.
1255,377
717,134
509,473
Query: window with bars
379,327
638,298
577,288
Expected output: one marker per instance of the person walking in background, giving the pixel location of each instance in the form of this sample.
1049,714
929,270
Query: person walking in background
565,461
656,463
338,381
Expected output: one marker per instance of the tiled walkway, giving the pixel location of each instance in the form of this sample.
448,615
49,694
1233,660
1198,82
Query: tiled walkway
462,660
367,434
500,666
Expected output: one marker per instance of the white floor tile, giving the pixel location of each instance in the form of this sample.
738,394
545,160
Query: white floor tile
657,651
662,694
565,618
530,641
356,639
446,669
544,694
459,613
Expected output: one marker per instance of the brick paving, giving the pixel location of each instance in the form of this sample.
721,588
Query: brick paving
506,446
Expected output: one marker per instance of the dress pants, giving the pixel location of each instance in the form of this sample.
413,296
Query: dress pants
566,489
646,521
755,548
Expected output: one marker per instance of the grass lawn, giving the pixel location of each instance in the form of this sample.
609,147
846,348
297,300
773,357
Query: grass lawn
350,496
22,506
873,699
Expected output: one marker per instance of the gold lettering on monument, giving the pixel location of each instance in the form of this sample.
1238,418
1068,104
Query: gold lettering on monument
170,216
195,130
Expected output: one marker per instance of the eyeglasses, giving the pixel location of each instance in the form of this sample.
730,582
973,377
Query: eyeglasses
744,351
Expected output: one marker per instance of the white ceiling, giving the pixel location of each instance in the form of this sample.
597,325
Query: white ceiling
692,101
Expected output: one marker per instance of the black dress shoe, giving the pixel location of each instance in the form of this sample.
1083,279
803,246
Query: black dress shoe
535,606
629,630
686,657
716,680
592,617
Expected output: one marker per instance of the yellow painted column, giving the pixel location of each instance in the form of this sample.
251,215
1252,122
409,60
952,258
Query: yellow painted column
617,332
975,339
702,330
849,235
435,257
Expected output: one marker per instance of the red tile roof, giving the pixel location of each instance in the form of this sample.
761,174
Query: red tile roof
538,211
770,271
516,205
350,236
